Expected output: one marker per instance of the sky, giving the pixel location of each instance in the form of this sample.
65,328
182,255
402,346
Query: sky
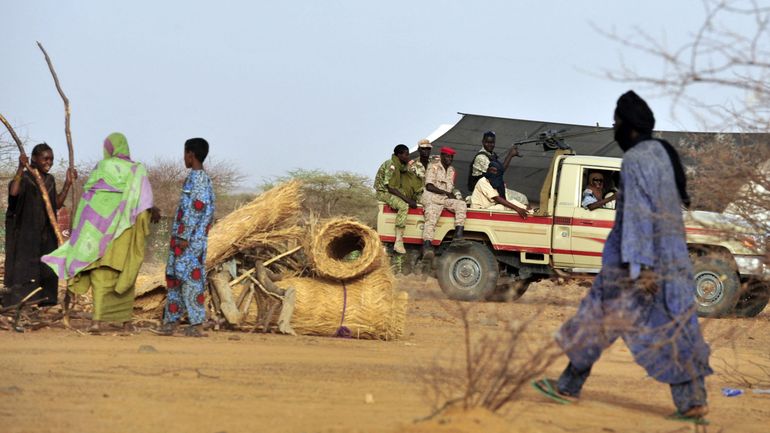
331,85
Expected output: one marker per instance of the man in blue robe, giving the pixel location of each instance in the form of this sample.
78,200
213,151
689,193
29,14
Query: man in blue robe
644,293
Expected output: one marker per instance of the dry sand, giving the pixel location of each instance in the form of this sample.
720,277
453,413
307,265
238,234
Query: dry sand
61,381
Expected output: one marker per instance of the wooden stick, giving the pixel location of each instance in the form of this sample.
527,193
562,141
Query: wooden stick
38,180
70,149
264,290
21,303
266,263
67,113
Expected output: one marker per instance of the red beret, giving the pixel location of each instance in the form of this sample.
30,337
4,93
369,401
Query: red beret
448,150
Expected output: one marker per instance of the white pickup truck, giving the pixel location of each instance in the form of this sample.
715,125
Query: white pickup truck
507,253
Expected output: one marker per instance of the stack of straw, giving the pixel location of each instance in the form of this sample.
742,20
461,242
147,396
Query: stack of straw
352,294
268,224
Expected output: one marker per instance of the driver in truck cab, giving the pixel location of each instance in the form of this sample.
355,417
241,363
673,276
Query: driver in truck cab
596,195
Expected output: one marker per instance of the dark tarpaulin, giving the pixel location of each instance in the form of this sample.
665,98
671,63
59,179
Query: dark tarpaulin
527,174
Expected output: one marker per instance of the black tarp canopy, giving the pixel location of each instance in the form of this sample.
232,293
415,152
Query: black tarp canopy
527,174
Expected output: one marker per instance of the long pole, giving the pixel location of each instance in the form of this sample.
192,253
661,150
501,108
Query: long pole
67,112
71,151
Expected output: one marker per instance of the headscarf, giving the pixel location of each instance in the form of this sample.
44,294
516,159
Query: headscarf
116,145
635,114
496,179
116,192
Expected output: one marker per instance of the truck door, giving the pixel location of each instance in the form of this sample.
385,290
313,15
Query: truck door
590,228
564,207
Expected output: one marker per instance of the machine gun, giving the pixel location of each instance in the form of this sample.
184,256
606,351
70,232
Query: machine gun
553,139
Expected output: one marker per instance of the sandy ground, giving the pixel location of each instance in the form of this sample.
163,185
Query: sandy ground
55,380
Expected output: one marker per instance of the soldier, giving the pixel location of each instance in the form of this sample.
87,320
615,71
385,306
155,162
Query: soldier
440,193
397,187
420,164
481,160
480,164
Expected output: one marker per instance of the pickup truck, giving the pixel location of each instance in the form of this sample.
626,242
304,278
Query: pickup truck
507,253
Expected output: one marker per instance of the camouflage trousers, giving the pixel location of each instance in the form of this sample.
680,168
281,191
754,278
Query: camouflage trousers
433,212
401,207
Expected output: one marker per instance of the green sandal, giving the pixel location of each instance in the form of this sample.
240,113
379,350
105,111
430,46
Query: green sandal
697,420
547,387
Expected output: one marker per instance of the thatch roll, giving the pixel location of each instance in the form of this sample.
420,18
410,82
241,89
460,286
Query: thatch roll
372,308
268,221
333,243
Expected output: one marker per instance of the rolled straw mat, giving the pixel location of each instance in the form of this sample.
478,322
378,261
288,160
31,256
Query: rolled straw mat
337,238
372,309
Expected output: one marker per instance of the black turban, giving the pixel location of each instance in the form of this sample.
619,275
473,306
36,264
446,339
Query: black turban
632,110
636,114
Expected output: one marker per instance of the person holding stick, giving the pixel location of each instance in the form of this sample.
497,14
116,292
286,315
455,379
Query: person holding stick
29,233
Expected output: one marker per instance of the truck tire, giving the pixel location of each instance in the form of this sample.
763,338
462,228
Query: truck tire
717,286
754,299
467,273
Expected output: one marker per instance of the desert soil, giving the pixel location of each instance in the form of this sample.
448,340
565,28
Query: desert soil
53,380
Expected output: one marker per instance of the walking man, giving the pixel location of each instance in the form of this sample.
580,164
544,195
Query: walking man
441,194
644,292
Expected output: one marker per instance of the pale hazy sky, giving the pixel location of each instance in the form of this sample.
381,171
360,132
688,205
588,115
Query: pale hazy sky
315,84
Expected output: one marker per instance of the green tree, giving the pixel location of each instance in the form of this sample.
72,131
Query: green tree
329,194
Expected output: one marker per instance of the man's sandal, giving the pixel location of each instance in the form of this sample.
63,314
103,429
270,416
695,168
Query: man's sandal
547,387
694,415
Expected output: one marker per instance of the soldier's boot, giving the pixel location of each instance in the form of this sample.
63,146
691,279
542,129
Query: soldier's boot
459,232
459,239
399,245
427,250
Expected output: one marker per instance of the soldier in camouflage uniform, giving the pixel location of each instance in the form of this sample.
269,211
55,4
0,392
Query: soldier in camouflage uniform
441,194
399,189
420,164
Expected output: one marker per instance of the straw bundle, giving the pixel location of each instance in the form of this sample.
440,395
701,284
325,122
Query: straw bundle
268,221
372,309
150,304
336,239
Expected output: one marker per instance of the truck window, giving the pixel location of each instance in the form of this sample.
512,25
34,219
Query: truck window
598,184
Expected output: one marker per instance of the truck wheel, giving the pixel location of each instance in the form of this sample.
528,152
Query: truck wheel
754,300
467,273
717,286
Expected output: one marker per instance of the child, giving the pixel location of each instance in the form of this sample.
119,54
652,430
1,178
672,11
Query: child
29,232
186,266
